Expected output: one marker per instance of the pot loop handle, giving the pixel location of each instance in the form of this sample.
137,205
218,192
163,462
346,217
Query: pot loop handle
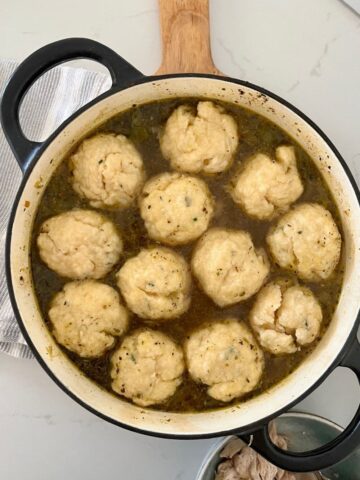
122,74
322,457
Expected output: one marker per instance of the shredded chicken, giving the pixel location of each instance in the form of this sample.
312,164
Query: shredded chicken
243,463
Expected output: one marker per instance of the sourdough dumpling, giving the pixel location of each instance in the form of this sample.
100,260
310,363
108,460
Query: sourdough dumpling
147,367
307,241
176,208
79,244
268,186
285,317
86,317
225,356
107,170
228,266
204,140
156,284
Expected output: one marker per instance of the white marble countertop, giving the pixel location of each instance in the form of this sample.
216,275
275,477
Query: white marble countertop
305,51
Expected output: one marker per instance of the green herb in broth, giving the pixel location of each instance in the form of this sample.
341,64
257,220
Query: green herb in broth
143,124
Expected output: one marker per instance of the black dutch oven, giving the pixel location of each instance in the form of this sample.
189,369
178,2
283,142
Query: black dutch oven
38,161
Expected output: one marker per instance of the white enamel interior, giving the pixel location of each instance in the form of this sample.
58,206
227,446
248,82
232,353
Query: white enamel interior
202,423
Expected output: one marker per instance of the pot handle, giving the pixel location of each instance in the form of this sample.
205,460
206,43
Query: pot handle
322,457
122,74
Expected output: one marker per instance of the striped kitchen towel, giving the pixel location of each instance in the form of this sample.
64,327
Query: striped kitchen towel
52,99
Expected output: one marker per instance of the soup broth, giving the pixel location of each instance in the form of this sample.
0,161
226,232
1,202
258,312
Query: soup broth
142,125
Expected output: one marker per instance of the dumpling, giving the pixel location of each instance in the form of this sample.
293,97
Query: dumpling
147,367
267,186
228,266
79,244
285,317
176,208
307,241
201,140
86,317
156,284
226,357
107,170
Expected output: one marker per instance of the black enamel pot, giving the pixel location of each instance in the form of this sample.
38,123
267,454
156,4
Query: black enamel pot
38,161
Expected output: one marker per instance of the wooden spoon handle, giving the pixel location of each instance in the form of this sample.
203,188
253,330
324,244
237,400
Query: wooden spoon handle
185,37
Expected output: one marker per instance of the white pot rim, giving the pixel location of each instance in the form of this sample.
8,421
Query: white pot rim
253,413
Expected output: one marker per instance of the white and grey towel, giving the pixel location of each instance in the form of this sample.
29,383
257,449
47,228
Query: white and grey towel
49,102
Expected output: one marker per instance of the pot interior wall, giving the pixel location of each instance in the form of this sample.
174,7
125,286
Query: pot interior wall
202,423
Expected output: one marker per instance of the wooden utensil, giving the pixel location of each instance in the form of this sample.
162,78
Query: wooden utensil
185,37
